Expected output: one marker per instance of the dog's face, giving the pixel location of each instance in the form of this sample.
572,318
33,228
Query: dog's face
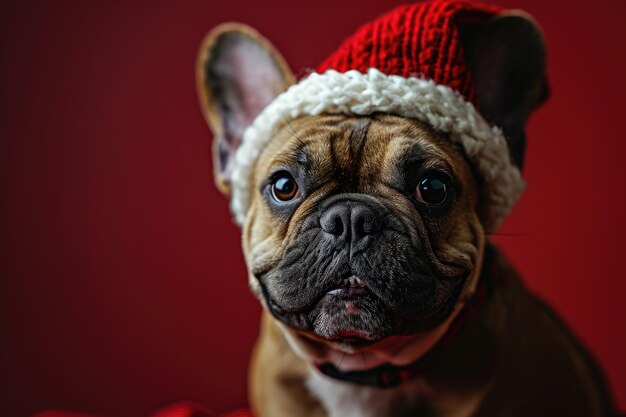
362,228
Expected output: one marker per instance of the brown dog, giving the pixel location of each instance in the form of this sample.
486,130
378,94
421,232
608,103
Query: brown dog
365,243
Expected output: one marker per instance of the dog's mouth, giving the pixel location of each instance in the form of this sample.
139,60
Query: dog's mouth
348,288
350,313
352,286
340,312
347,313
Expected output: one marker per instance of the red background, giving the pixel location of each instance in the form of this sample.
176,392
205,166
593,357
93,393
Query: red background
123,286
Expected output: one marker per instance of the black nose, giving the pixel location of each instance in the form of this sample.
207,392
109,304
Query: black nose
350,221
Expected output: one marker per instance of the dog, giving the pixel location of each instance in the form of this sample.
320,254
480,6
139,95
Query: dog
364,225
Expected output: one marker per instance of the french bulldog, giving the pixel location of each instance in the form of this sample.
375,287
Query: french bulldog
367,248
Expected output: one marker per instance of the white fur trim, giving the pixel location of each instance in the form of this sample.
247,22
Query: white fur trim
355,93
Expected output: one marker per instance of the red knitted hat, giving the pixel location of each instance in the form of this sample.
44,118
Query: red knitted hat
410,63
416,40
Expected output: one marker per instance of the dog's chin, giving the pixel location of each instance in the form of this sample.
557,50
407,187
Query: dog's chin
351,317
352,343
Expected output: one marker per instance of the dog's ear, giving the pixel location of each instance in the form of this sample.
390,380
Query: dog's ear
507,60
238,73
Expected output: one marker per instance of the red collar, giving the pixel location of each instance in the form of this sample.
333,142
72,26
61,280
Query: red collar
387,376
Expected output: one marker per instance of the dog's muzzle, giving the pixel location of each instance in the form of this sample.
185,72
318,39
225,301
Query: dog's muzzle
354,275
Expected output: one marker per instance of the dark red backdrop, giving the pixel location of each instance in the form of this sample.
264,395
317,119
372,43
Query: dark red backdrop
122,281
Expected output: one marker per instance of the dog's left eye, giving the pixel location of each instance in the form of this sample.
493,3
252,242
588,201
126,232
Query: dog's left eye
433,188
284,187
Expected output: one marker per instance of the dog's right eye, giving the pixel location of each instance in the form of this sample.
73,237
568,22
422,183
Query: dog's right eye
284,187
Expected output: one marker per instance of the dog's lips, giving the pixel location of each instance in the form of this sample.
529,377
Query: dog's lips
339,307
348,296
351,314
349,291
351,286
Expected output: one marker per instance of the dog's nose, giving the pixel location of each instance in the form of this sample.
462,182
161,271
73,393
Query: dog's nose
350,220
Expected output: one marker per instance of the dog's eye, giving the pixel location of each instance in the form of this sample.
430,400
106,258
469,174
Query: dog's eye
284,187
433,188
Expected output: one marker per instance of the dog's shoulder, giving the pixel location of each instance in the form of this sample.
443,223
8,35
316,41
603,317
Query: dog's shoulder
539,359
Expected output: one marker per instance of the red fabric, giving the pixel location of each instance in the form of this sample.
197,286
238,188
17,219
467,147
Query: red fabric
64,414
192,410
419,39
176,410
183,410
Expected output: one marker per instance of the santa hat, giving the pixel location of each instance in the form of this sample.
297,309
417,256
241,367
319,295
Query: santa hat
410,63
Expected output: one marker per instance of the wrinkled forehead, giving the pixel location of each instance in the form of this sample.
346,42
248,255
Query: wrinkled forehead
375,146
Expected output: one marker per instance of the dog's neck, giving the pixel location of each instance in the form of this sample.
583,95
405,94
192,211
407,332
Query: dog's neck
463,355
390,375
